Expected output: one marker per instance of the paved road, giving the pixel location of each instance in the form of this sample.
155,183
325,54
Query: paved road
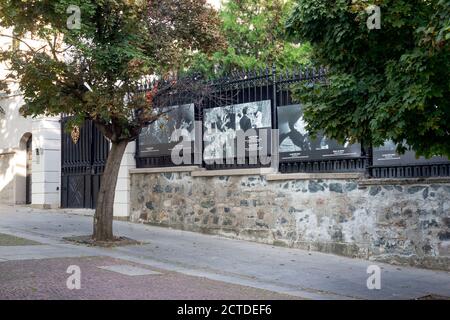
288,271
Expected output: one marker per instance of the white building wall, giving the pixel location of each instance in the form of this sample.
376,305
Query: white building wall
46,150
13,127
7,177
46,154
46,146
122,197
46,184
46,165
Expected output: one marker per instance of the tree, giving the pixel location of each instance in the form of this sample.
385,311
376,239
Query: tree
387,83
91,57
4,87
254,31
4,91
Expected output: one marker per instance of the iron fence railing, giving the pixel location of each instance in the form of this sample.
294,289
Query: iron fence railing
270,91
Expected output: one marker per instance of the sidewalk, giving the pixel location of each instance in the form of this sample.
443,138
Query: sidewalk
46,279
280,270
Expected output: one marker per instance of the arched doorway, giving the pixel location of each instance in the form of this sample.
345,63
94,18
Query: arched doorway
24,158
29,152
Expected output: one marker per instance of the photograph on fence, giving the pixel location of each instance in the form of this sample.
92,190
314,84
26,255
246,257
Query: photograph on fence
386,155
222,123
156,139
296,144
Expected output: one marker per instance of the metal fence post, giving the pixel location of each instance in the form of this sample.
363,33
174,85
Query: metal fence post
275,163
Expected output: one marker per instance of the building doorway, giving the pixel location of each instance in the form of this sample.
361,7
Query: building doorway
29,165
22,171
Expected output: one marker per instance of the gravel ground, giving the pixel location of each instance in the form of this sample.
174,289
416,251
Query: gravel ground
46,279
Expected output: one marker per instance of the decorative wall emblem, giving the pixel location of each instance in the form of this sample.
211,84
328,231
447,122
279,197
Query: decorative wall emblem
75,134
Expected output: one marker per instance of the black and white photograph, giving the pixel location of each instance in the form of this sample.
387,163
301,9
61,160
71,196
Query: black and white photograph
156,139
222,123
253,115
387,155
257,116
295,143
219,133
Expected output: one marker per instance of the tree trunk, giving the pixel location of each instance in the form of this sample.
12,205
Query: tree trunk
103,219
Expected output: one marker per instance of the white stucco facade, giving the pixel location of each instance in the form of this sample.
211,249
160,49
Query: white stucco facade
45,169
46,174
44,154
45,133
14,130
14,133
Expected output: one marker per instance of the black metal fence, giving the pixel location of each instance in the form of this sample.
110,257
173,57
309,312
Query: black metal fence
240,89
412,171
82,165
268,94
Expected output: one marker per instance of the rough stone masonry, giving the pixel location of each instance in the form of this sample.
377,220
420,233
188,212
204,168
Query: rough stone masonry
386,221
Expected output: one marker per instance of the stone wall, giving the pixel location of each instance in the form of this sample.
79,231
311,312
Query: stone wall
404,222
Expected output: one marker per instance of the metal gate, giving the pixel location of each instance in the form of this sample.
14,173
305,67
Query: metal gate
83,163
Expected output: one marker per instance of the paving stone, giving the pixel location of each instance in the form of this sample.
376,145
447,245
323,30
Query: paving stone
37,252
234,261
129,270
47,279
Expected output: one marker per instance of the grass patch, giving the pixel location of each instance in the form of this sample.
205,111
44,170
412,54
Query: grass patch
7,240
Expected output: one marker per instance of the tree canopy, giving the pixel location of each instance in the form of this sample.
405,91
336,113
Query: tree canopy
89,58
92,71
388,83
255,35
